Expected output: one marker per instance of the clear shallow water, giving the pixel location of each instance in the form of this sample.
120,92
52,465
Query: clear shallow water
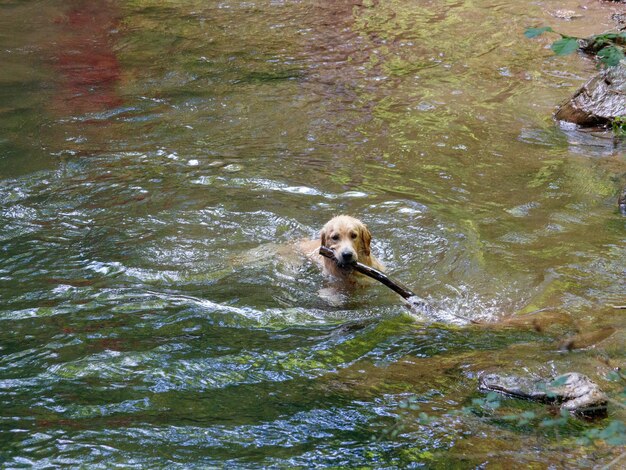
154,156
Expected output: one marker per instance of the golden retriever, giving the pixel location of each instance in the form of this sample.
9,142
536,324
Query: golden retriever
349,239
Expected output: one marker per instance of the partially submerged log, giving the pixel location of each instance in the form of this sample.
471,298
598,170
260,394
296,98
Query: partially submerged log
599,101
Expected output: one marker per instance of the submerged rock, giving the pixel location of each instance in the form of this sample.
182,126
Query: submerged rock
599,101
574,392
621,202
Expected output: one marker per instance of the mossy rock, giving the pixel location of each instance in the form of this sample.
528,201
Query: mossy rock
599,101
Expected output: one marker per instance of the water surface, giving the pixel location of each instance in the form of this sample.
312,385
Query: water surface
156,156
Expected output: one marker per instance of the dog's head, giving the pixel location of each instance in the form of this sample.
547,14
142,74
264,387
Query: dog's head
348,238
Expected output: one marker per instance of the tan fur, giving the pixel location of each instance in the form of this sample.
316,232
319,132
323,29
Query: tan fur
341,234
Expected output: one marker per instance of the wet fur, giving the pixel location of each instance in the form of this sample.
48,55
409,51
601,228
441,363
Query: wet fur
343,234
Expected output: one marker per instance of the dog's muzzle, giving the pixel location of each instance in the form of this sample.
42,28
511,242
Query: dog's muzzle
346,259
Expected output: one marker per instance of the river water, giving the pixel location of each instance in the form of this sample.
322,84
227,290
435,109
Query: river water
156,158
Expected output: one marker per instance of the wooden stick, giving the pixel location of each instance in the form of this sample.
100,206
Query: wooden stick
413,300
373,273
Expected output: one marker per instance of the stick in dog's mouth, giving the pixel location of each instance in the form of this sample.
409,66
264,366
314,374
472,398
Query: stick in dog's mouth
345,266
328,253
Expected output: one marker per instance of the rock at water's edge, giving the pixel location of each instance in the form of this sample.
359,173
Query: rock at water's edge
574,392
599,101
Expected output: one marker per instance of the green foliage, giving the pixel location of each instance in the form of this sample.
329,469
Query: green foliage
564,46
614,434
609,47
407,407
410,403
611,432
619,126
611,55
521,419
562,420
491,401
534,32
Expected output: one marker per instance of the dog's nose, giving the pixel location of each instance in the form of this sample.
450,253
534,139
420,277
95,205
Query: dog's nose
347,256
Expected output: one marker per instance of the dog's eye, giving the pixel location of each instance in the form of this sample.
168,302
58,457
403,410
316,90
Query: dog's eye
335,237
353,235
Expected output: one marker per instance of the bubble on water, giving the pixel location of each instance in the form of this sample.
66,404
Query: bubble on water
522,210
353,194
233,168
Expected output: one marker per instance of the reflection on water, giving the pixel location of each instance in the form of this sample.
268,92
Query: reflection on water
159,159
84,57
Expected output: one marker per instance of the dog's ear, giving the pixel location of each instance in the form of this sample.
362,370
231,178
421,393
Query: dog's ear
366,239
323,236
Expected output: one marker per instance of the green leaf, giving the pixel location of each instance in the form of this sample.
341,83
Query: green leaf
615,376
424,418
559,381
611,55
565,45
607,36
534,32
